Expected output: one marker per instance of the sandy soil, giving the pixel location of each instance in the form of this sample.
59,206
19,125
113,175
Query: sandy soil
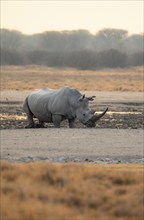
77,145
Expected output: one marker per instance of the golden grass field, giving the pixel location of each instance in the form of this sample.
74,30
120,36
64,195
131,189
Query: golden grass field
34,77
71,191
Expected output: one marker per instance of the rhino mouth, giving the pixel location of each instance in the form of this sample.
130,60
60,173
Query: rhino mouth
91,123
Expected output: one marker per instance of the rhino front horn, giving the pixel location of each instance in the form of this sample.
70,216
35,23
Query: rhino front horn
97,117
91,123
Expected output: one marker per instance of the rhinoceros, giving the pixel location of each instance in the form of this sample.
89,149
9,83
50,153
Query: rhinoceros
49,105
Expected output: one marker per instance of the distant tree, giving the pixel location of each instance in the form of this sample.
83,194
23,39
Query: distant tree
10,40
78,48
77,40
134,43
51,40
31,42
110,39
65,40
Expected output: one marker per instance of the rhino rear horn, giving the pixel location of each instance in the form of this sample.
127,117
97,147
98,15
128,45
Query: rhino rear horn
97,117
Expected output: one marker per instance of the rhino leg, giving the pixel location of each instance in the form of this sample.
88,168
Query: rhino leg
41,124
56,120
71,123
30,121
29,115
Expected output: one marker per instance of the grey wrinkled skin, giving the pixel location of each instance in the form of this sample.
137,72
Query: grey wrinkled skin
48,105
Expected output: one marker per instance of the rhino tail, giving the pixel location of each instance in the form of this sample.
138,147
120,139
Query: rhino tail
26,107
29,114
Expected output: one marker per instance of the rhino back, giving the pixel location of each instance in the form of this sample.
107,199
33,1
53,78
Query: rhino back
38,102
45,102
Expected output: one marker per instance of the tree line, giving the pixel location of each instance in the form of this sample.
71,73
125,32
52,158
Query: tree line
109,48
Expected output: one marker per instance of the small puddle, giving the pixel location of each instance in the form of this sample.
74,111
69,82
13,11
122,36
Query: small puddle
121,113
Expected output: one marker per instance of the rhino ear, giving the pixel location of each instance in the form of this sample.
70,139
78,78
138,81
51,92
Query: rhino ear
82,97
91,98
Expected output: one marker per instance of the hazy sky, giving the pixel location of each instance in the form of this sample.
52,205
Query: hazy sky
35,16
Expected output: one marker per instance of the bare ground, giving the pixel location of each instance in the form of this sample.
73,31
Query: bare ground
72,145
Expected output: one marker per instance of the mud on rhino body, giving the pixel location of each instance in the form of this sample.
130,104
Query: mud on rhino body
49,105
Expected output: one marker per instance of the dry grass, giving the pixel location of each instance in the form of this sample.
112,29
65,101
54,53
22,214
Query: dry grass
53,191
33,77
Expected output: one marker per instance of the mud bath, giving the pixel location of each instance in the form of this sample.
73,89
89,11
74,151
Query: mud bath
125,110
117,137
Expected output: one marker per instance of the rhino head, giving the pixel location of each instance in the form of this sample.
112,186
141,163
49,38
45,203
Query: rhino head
92,121
85,114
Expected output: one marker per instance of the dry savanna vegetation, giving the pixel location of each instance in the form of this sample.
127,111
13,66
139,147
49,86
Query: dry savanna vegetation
35,77
71,191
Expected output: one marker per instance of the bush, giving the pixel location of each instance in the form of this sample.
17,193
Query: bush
112,59
137,59
83,59
11,57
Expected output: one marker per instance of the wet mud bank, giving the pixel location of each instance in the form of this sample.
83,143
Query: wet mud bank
125,110
117,138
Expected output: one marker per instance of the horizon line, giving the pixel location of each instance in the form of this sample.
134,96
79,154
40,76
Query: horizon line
70,30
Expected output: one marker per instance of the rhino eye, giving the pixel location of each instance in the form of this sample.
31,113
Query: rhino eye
83,114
